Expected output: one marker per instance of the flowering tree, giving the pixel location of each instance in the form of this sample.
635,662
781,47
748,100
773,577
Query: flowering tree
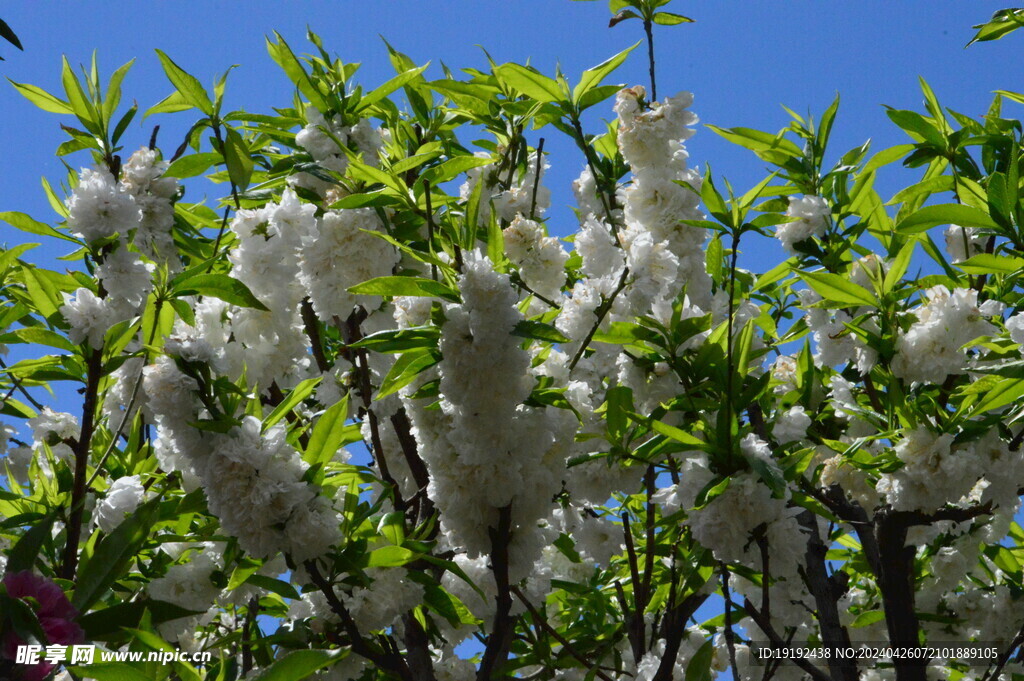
574,444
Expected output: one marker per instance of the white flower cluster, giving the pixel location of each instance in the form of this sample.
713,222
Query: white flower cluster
253,480
931,349
508,196
810,217
143,177
483,448
121,500
139,210
936,471
964,242
539,257
663,253
341,252
327,142
100,207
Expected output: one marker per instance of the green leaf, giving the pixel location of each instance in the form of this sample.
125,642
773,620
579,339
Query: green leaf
10,36
898,266
699,666
677,434
28,224
297,665
281,53
401,340
22,555
405,286
37,335
768,147
295,397
43,99
172,103
218,286
277,586
114,553
109,621
390,556
868,617
79,102
836,289
192,165
1003,21
989,263
670,19
529,82
592,77
945,214
188,85
407,367
390,86
1005,392
328,434
238,159
538,331
44,295
392,527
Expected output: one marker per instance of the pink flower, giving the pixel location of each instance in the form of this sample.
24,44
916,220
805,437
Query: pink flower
55,613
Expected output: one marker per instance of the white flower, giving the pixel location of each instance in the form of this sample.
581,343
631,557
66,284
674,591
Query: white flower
792,425
89,317
930,350
127,279
340,252
99,207
812,215
541,258
963,242
50,426
187,585
123,497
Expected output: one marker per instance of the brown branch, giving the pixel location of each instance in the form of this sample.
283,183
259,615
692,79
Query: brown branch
500,639
387,660
312,326
765,625
82,447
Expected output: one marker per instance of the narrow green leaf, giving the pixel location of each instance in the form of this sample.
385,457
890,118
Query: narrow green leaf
390,86
113,554
192,165
989,263
670,19
592,77
218,286
405,286
390,556
188,85
837,289
529,82
238,159
538,331
28,224
43,99
296,665
328,434
945,214
295,397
